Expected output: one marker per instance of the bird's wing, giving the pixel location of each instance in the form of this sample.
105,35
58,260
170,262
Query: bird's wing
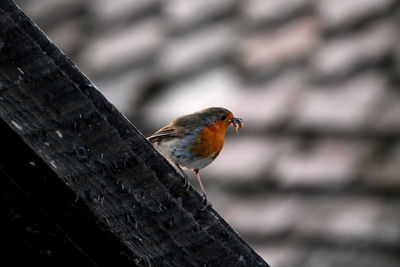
181,126
166,132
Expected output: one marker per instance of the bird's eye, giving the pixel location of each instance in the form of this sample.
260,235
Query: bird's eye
223,117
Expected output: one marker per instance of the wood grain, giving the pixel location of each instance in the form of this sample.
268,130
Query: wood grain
89,149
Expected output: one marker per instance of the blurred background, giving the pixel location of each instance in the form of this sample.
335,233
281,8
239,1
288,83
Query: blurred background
313,179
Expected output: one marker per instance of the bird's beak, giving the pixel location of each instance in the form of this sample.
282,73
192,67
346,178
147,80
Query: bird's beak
237,123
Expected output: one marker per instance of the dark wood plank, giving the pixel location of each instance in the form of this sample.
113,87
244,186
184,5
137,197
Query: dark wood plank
128,189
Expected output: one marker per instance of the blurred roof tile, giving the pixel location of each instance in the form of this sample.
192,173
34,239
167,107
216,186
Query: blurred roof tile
274,49
346,107
123,90
388,114
261,11
340,220
271,104
342,55
349,218
121,9
69,35
282,254
46,13
361,255
241,168
183,54
342,13
329,163
122,47
384,174
270,215
182,14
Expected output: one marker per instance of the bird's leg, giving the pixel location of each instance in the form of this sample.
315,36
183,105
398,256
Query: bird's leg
203,192
187,183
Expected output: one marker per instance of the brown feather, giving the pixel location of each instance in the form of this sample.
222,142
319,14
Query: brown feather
165,132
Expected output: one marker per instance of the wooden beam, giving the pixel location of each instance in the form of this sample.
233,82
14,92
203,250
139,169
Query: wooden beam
123,197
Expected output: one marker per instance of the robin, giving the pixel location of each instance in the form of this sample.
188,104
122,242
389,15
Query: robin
193,141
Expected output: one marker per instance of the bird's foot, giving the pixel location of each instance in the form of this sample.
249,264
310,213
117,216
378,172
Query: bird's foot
186,185
207,203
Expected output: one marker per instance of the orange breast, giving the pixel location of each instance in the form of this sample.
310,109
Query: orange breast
210,140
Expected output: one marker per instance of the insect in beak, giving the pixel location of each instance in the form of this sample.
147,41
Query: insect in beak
237,123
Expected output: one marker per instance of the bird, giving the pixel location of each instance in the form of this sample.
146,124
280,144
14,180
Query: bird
195,140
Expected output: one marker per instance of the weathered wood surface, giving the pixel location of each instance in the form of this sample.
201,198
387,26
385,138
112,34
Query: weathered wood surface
89,172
